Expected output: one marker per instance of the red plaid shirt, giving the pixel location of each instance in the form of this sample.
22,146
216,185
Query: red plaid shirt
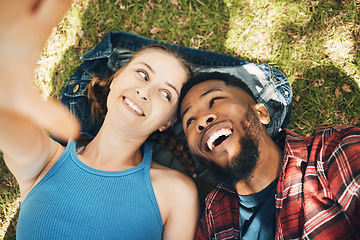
317,196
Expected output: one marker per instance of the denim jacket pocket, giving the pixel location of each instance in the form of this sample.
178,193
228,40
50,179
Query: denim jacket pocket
75,97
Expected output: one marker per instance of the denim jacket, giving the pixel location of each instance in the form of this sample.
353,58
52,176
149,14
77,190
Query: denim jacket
268,84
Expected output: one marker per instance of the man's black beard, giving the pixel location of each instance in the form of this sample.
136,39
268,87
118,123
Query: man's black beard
242,166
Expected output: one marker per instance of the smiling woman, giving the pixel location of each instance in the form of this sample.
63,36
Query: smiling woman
111,182
149,80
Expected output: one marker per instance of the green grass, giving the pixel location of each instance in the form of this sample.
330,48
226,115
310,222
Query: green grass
9,201
315,43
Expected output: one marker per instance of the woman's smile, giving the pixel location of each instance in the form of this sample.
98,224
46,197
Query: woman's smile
133,106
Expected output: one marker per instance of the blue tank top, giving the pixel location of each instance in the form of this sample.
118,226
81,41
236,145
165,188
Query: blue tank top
75,201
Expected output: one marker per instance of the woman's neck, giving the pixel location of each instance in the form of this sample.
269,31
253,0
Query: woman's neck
110,150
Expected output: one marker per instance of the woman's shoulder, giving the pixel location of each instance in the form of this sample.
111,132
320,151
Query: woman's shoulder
166,172
176,185
178,200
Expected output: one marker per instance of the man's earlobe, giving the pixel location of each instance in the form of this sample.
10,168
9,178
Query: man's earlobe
167,125
262,112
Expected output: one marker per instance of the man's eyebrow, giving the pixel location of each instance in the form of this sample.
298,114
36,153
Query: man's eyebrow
210,91
185,111
202,95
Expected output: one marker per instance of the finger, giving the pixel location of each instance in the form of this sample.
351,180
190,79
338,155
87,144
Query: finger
13,9
49,13
26,25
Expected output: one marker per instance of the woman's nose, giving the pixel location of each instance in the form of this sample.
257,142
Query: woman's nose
204,121
143,93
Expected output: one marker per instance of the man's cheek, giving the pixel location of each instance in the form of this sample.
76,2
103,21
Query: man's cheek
192,148
192,145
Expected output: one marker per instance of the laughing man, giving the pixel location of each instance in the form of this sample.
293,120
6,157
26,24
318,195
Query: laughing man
287,187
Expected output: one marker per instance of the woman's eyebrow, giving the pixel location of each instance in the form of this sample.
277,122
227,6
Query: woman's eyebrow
167,83
148,66
173,87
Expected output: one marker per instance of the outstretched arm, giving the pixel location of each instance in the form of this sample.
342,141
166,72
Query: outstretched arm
24,28
26,147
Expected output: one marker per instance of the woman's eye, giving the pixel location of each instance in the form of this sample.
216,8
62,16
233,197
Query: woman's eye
213,100
143,75
166,94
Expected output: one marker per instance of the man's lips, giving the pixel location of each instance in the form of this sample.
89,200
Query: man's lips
218,137
134,106
215,134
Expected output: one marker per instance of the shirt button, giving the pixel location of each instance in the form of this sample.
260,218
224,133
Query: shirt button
76,88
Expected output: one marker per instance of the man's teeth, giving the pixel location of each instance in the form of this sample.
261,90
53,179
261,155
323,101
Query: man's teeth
133,106
222,132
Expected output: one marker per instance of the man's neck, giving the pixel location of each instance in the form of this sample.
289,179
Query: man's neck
267,169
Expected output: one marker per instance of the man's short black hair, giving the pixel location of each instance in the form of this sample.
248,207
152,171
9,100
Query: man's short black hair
228,79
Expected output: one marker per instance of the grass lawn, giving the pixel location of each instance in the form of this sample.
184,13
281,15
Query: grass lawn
315,43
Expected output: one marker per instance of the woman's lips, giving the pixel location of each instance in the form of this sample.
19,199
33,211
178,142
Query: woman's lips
134,106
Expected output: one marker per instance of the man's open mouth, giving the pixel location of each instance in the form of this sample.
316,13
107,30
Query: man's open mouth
218,137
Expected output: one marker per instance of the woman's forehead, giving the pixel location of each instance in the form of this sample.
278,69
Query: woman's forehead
159,59
153,54
163,65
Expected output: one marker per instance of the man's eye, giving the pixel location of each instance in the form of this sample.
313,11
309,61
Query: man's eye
166,94
213,100
189,121
143,75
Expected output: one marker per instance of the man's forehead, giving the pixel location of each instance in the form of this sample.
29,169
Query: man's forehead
210,86
204,88
199,91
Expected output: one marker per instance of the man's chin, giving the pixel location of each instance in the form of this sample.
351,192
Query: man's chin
244,164
240,167
220,172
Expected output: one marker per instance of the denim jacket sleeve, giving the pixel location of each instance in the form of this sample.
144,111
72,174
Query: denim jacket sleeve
269,85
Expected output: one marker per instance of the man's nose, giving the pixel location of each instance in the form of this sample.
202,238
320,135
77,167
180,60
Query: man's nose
205,120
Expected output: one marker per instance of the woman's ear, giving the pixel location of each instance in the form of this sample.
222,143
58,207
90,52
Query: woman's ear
262,112
167,125
114,77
